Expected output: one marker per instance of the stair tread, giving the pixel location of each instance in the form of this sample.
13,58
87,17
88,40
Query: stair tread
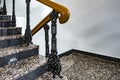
20,68
16,49
10,37
5,20
5,15
9,27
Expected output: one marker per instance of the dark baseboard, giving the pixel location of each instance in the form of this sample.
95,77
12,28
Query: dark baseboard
90,54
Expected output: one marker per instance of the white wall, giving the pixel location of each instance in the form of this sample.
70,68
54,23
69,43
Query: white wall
94,25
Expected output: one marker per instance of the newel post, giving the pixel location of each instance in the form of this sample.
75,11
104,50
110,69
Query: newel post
53,62
28,34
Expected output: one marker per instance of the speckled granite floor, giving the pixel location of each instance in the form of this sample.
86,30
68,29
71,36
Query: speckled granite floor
83,67
75,67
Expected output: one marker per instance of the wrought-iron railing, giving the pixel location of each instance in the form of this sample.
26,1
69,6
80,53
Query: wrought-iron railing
53,61
3,11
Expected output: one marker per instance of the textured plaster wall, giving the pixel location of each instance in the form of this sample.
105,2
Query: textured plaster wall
94,25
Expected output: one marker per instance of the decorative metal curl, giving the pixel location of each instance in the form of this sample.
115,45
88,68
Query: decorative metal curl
54,64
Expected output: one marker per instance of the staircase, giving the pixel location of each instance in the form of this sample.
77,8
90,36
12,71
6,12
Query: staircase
19,58
16,57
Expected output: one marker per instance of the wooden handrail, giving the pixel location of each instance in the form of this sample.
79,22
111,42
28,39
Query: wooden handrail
64,14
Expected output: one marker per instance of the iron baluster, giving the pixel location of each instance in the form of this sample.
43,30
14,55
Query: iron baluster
28,34
54,17
1,9
54,64
13,24
46,28
4,8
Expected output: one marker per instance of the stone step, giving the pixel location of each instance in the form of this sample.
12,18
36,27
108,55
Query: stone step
16,71
5,17
10,31
13,40
5,23
15,53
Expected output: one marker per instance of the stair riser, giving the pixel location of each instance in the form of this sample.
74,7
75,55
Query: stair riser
10,42
18,56
0,11
8,32
5,24
5,17
33,75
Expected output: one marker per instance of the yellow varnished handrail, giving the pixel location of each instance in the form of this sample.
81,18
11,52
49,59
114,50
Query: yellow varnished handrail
64,14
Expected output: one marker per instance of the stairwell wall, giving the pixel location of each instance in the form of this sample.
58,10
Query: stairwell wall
93,25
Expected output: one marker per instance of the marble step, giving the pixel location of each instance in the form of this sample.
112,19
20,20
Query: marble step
12,54
16,71
5,17
13,40
5,23
10,31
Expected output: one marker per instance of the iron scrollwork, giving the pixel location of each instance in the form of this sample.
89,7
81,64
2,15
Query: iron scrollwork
54,64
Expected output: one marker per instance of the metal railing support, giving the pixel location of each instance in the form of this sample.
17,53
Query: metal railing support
28,34
54,64
46,28
4,8
13,23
